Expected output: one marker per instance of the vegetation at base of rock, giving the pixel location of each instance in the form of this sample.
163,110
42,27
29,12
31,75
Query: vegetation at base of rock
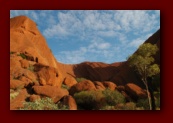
11,52
113,97
80,79
143,103
43,104
65,86
22,55
13,95
31,68
121,106
97,99
156,83
157,99
90,99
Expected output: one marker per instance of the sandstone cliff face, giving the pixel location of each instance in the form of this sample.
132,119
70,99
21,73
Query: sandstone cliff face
26,38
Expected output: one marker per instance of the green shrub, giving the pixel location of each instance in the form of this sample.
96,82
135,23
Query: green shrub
22,55
157,99
143,103
31,68
43,104
14,95
98,99
156,82
11,52
65,86
80,79
126,106
89,99
107,107
113,97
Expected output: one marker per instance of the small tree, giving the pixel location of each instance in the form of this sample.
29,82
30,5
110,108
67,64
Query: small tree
142,61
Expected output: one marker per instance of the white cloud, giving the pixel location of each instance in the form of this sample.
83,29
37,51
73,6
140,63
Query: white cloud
135,20
34,15
138,41
55,30
99,43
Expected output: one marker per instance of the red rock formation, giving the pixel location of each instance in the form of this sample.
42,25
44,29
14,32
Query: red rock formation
70,102
26,38
34,98
18,102
135,91
70,81
50,91
85,85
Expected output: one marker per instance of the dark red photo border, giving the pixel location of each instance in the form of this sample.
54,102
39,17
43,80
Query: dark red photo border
163,116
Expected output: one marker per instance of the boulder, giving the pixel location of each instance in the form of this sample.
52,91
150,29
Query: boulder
109,85
135,91
19,72
17,84
99,85
53,92
24,63
70,102
14,63
69,81
120,88
34,98
18,102
50,76
85,85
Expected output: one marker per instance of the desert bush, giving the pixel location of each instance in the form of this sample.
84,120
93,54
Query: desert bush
90,99
65,86
107,107
156,82
113,97
157,99
98,99
14,95
126,106
43,104
11,52
31,68
22,55
80,79
143,103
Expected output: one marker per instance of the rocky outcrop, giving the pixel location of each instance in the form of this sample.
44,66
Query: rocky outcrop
49,76
85,85
34,98
70,102
18,102
50,91
17,84
110,85
26,38
135,91
69,81
99,85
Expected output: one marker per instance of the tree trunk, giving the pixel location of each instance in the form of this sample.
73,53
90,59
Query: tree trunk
148,95
151,93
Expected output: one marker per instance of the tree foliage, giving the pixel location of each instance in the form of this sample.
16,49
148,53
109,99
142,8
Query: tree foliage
143,61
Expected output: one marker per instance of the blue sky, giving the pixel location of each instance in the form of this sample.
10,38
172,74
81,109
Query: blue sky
108,36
